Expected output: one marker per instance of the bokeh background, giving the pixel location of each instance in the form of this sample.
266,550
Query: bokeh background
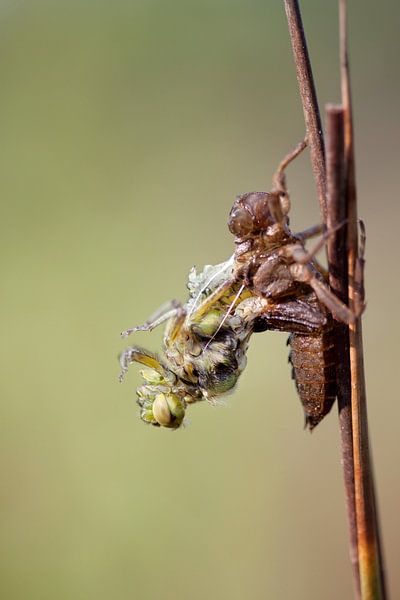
127,129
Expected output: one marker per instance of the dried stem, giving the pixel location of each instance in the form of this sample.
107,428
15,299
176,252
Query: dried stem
346,272
338,279
309,100
369,546
332,214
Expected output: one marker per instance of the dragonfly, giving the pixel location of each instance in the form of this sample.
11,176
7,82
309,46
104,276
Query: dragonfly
204,347
271,282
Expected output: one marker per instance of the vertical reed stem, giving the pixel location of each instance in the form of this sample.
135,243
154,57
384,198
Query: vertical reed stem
338,279
372,578
309,100
345,276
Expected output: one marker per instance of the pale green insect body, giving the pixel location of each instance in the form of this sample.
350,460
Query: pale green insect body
204,350
210,349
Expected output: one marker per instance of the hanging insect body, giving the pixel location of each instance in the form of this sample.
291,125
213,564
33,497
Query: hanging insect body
204,350
271,282
273,263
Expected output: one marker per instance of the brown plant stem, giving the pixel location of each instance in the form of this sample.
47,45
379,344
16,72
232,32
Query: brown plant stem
372,578
309,100
346,272
338,279
337,248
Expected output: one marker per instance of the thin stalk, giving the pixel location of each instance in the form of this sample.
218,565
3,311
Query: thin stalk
338,279
365,546
309,100
372,578
314,131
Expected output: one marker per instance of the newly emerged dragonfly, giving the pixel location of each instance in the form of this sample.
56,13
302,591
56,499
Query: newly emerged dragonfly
270,282
204,352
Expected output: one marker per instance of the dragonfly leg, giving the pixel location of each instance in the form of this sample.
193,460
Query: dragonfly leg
134,354
301,255
306,273
165,312
359,295
278,179
310,232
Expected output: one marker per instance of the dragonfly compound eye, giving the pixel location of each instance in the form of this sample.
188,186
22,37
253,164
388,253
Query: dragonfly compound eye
168,410
250,213
240,221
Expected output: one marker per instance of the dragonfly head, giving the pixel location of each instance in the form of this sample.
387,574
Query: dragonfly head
159,404
254,212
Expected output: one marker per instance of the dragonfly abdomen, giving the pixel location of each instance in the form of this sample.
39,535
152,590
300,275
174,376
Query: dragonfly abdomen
314,372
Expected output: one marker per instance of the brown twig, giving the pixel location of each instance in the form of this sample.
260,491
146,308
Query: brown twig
372,578
365,546
338,279
336,248
309,100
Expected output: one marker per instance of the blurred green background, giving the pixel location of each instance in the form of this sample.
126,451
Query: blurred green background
127,129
